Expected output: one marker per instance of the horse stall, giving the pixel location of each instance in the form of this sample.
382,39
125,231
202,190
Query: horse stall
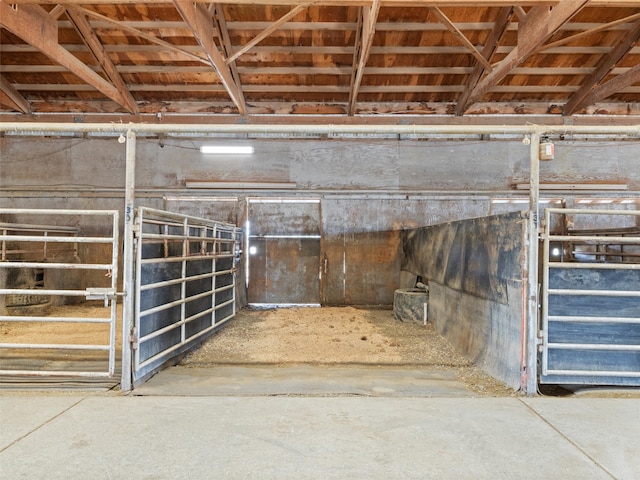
58,281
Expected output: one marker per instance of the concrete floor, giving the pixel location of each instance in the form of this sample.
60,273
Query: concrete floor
236,424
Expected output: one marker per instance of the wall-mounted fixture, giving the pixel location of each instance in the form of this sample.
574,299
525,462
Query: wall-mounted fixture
547,149
226,149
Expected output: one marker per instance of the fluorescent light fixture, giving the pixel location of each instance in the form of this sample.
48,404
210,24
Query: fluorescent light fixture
226,149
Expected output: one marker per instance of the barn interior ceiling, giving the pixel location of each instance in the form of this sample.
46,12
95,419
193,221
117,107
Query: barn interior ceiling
331,61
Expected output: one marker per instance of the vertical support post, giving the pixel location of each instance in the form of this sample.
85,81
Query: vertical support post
214,266
128,261
530,377
183,283
114,285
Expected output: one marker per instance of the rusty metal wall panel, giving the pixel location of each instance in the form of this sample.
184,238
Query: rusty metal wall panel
284,251
332,270
372,268
284,271
257,258
291,217
361,261
222,209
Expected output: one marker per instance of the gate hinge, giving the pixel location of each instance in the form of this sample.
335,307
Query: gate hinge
133,339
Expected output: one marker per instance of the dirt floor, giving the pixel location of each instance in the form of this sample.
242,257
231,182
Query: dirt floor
336,336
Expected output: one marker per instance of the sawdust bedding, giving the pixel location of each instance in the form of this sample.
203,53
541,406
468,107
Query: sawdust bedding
336,336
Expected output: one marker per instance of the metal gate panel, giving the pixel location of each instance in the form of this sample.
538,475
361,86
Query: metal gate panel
51,252
185,284
590,318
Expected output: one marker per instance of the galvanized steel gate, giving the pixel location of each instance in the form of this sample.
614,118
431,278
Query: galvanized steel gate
185,280
590,318
36,265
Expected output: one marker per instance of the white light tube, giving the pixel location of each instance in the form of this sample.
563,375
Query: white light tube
226,149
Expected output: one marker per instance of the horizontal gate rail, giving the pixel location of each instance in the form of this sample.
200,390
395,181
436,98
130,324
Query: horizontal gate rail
591,373
593,293
594,346
185,283
25,318
584,319
21,239
590,317
603,266
50,239
49,346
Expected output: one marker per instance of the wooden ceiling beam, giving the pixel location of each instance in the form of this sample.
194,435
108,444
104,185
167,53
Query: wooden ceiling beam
328,50
606,63
367,23
356,3
611,87
599,28
460,36
92,41
267,31
517,113
151,38
10,97
491,45
301,70
201,24
539,25
36,27
220,25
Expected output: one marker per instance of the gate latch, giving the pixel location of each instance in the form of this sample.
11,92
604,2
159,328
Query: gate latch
101,293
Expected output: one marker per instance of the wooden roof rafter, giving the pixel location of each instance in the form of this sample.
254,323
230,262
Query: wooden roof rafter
36,27
598,29
538,26
198,19
578,100
364,41
220,26
268,31
139,33
460,36
92,41
12,98
491,45
611,87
